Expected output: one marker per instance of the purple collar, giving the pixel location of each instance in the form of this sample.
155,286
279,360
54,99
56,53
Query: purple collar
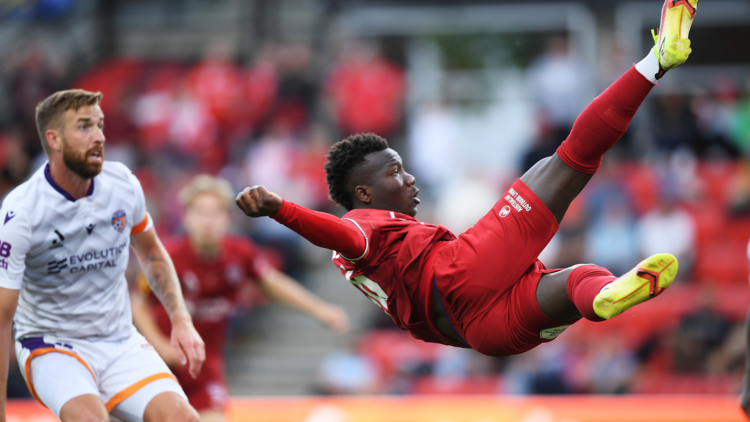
62,191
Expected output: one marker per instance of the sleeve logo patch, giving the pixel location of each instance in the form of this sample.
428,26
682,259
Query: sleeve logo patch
119,221
9,216
505,211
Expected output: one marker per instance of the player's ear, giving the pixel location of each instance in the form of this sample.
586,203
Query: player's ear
363,194
53,139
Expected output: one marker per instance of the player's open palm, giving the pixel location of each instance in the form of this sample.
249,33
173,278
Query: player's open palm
257,201
189,345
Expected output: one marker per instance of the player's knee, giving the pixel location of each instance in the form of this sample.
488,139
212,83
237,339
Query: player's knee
85,408
85,416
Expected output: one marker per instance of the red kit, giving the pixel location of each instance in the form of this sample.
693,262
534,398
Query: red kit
210,288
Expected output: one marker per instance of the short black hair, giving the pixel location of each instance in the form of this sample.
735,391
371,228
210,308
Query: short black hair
344,158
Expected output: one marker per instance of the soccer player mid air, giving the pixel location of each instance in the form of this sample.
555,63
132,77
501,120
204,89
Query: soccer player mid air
213,266
485,289
66,235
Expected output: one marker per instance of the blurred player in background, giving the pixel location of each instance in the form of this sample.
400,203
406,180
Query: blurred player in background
213,266
485,289
66,236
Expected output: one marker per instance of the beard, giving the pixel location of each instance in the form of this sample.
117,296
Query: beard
79,164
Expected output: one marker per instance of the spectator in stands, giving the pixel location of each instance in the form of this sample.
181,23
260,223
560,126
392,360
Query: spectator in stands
668,227
611,237
560,83
699,334
677,128
367,91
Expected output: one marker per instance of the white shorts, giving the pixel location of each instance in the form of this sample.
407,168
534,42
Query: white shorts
126,374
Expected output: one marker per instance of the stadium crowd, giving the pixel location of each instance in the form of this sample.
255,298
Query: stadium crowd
683,167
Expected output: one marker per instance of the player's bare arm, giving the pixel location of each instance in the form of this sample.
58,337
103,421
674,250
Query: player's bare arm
146,324
8,303
281,288
159,271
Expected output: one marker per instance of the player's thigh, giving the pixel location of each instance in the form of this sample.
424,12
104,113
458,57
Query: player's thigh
59,379
556,184
133,379
170,407
493,254
515,324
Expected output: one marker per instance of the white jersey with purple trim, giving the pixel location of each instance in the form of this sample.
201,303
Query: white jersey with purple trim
68,257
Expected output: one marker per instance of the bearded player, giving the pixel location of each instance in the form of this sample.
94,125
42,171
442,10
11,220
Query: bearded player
213,267
66,235
485,289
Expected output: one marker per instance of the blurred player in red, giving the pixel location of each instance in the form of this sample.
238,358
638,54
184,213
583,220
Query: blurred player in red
485,289
212,267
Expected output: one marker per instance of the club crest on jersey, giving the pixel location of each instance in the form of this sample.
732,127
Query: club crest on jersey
119,220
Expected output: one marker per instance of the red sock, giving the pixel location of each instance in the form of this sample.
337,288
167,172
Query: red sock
603,122
584,283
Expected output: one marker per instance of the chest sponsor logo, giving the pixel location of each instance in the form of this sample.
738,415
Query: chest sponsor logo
56,267
234,274
78,263
119,220
90,228
550,333
371,289
9,216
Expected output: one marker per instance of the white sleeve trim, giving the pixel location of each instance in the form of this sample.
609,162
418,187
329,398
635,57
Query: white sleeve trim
367,242
10,284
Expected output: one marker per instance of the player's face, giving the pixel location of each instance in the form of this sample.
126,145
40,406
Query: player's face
391,187
207,219
82,141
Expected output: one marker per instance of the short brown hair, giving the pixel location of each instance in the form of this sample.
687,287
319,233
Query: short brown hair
53,106
207,184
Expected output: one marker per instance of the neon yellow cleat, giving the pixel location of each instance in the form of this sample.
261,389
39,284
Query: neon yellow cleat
672,44
645,281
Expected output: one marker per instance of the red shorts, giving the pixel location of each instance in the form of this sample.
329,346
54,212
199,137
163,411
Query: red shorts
487,278
209,391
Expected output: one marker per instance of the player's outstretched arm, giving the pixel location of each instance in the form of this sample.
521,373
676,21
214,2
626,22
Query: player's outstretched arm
319,228
745,397
162,278
8,304
283,289
145,322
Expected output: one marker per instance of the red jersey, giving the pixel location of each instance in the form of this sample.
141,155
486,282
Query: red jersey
210,286
383,254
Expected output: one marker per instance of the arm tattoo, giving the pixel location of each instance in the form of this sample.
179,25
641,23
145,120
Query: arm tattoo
163,280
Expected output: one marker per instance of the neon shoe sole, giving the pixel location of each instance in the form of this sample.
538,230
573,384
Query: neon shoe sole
644,282
672,44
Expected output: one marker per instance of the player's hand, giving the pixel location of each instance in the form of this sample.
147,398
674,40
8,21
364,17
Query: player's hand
258,202
334,317
188,343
